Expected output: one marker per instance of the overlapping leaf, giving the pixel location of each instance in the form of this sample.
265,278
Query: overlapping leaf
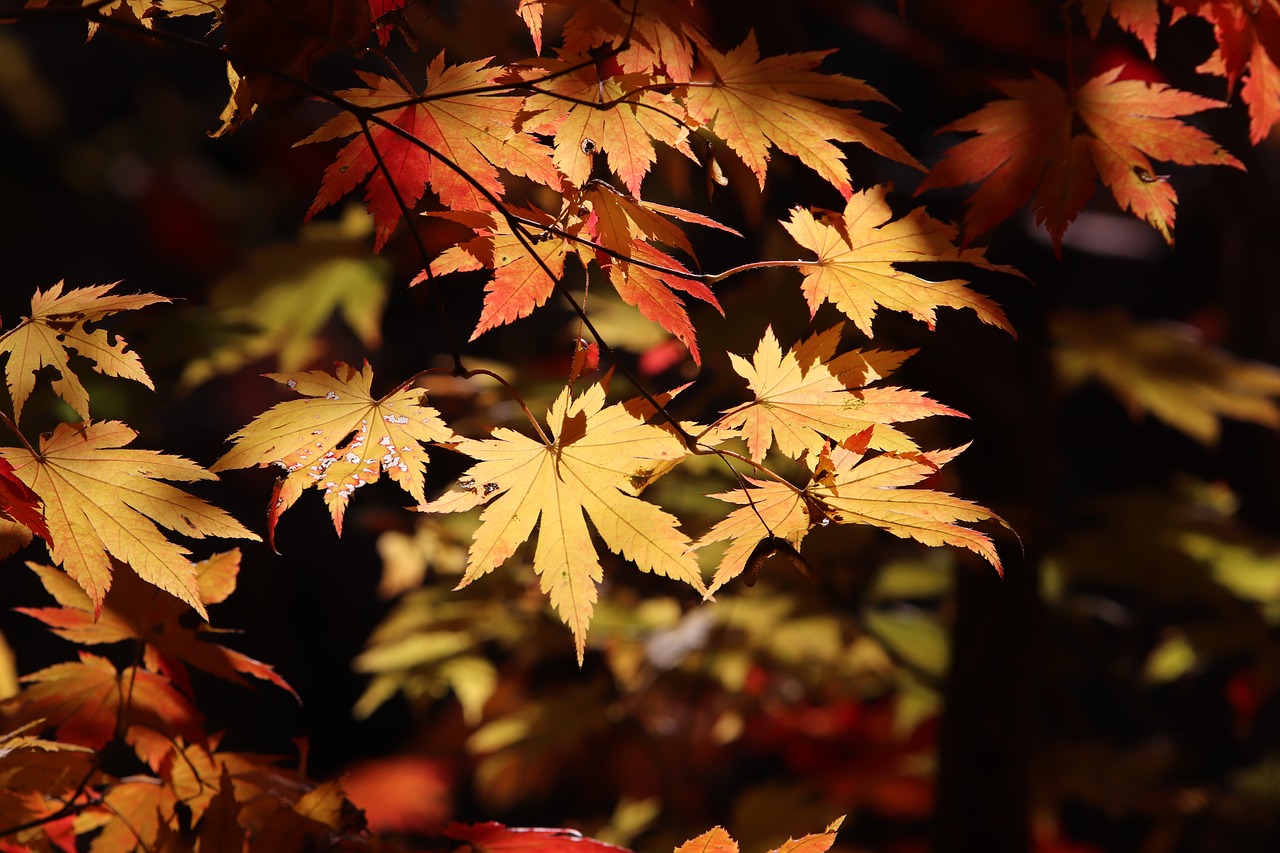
756,104
1248,36
652,36
849,487
83,702
566,108
857,256
138,612
104,502
471,131
337,439
56,328
809,394
1048,146
587,470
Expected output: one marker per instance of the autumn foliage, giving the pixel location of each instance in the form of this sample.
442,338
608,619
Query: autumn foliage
715,306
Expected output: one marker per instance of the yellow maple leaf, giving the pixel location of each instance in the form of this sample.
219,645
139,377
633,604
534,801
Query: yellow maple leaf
1164,369
808,394
849,487
102,501
337,439
754,104
56,327
857,256
592,468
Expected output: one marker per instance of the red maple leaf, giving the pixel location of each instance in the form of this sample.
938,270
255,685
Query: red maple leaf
19,503
1050,146
1248,36
471,131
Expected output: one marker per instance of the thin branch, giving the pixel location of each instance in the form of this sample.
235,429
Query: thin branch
22,438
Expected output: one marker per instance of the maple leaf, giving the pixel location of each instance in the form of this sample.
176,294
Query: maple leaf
337,439
31,763
653,36
847,487
56,327
808,394
1248,36
472,130
1140,17
520,283
857,256
1049,146
284,295
102,501
1164,369
626,226
588,111
138,612
716,840
754,104
531,12
83,702
588,470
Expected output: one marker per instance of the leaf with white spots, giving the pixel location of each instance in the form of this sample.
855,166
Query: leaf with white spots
337,439
597,463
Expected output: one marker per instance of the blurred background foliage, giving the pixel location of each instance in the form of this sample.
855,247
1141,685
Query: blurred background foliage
1118,690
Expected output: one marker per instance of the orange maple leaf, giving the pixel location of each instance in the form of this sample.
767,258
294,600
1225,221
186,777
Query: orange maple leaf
103,501
1248,36
1140,17
519,283
754,104
1049,146
809,394
590,469
857,256
57,326
653,35
590,110
716,840
83,702
848,487
140,613
473,131
337,439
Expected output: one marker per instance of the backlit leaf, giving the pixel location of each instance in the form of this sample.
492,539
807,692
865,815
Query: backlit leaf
337,439
56,328
1047,146
857,256
104,502
588,470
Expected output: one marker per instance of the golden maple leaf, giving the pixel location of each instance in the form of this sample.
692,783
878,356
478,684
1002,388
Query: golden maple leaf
808,394
337,439
754,104
848,487
56,327
590,469
857,256
102,501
